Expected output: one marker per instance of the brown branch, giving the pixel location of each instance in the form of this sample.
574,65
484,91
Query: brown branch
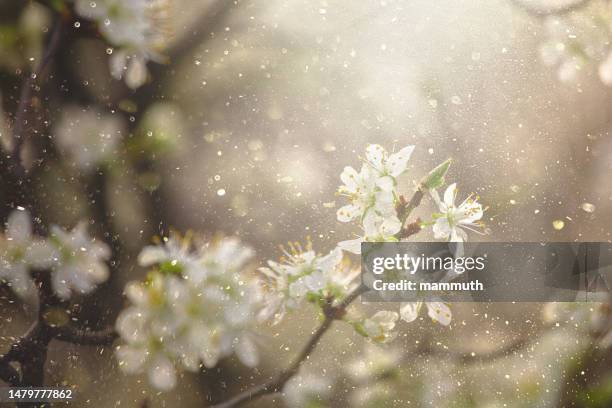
540,12
331,313
25,98
85,337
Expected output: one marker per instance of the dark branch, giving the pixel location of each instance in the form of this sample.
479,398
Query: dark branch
85,337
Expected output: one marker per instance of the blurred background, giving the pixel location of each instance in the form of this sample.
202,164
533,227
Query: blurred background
244,130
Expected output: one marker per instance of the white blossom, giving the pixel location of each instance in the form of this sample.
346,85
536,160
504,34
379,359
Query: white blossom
141,327
88,136
79,264
174,255
20,251
364,195
373,188
137,27
380,326
453,219
198,306
438,311
387,167
376,362
301,273
307,391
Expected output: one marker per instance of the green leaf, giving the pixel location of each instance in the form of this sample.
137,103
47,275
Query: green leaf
435,178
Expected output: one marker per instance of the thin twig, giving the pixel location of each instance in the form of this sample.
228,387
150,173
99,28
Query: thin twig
85,337
26,97
332,312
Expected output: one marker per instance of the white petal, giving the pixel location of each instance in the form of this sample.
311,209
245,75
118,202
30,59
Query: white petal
409,311
41,254
152,254
329,261
605,71
118,64
449,195
247,352
375,154
350,178
162,374
348,213
60,286
351,245
137,72
131,359
439,312
386,183
457,235
441,228
397,162
386,319
136,293
132,325
371,224
19,227
390,226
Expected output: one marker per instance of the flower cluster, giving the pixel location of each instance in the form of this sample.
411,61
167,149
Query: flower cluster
197,306
302,274
137,27
75,260
372,193
577,39
376,202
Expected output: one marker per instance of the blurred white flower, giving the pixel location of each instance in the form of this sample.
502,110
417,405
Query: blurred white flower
380,326
438,311
605,70
141,327
302,273
374,395
137,27
79,264
173,255
197,307
573,41
88,136
307,391
20,251
452,220
375,364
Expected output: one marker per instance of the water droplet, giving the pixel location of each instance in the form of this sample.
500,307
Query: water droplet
558,224
221,192
587,207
